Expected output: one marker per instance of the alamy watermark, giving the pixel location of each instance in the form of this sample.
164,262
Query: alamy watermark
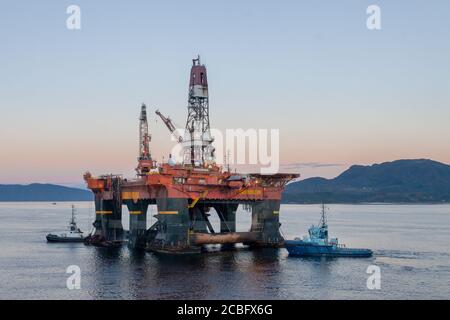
234,147
73,282
374,19
374,280
73,22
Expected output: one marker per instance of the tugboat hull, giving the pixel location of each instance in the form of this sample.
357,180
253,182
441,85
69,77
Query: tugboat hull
55,238
300,248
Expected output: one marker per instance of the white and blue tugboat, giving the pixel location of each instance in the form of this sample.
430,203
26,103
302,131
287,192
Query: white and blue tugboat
318,244
74,233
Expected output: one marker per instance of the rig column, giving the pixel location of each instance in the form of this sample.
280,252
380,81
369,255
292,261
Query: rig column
108,220
265,220
173,227
138,223
108,213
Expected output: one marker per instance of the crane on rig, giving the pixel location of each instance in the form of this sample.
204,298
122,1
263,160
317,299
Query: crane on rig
169,124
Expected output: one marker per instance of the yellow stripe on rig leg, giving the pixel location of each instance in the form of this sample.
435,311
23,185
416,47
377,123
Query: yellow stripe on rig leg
103,212
168,212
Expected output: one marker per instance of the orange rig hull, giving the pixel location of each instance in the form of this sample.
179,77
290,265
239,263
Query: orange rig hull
184,196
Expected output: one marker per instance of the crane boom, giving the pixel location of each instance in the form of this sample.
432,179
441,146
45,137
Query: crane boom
170,126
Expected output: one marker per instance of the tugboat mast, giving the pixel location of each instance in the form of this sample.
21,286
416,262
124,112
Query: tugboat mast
323,219
73,215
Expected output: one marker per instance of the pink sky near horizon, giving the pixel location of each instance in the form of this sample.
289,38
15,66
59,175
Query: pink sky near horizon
52,162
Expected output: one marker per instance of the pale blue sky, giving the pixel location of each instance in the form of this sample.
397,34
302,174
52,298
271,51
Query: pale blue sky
339,93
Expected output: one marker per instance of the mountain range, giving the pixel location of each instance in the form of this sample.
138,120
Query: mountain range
402,181
42,192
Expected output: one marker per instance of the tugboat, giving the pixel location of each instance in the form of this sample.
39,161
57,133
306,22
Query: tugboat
318,244
74,234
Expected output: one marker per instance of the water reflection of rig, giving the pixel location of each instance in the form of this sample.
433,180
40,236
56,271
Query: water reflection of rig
185,193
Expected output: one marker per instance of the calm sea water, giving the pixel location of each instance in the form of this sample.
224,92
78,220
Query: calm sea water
411,245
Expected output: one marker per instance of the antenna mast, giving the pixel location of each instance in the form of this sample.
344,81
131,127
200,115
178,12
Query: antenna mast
323,219
72,221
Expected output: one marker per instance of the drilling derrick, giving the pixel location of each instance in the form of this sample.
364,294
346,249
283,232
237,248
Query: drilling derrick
145,162
198,149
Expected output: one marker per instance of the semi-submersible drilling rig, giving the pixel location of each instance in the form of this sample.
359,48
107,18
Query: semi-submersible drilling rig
185,193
